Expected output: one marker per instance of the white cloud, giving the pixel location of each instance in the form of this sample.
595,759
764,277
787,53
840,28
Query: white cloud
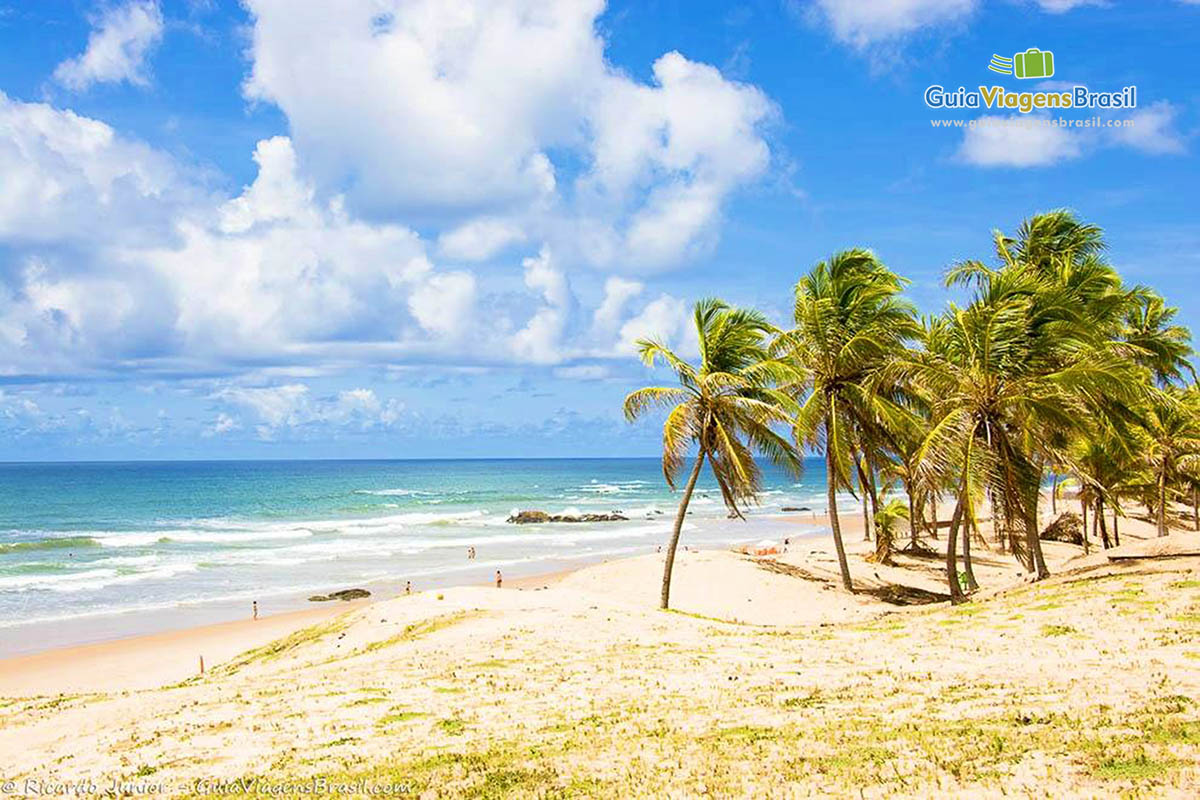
275,406
617,294
116,50
582,372
459,108
480,239
865,24
1018,142
68,177
1027,141
1063,6
293,406
277,194
679,147
663,320
221,425
861,23
123,258
445,304
540,341
1152,130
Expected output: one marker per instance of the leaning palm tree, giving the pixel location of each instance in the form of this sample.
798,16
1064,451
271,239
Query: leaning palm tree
725,406
850,321
993,378
1171,421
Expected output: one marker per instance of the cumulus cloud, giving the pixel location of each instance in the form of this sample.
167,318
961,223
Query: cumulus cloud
1018,142
120,40
292,406
70,177
541,340
497,129
127,262
872,24
861,23
1014,141
664,320
618,292
480,239
1153,130
504,122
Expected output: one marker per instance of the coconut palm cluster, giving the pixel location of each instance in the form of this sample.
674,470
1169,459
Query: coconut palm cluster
1048,370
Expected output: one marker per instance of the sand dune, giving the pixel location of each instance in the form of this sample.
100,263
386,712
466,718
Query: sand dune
770,683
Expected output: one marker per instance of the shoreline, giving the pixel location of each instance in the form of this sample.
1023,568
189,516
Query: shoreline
103,627
117,664
111,663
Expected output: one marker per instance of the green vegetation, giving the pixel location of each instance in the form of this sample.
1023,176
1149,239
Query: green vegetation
285,645
1053,367
419,629
725,406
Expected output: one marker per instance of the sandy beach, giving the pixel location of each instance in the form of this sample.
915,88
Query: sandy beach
575,683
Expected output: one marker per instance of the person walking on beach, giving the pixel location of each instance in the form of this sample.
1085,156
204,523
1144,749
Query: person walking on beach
408,587
254,609
499,579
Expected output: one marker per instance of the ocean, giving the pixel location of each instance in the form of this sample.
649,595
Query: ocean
96,550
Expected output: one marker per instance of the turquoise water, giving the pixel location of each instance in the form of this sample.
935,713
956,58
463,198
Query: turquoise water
84,541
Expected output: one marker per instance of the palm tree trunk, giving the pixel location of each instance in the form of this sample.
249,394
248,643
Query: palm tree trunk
1034,543
1095,524
1116,530
1083,506
1054,494
934,502
956,593
913,510
1103,525
834,524
679,516
862,490
1195,508
874,493
1162,503
967,529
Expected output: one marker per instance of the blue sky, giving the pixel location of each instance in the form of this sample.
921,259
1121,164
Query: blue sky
383,228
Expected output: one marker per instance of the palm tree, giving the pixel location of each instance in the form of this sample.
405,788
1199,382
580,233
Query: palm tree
725,406
1104,465
849,322
1171,421
886,519
1156,342
993,377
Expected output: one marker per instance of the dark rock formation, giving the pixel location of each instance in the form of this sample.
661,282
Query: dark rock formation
531,517
343,594
1067,528
795,508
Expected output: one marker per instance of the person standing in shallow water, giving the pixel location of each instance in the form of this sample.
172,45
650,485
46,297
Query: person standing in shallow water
499,579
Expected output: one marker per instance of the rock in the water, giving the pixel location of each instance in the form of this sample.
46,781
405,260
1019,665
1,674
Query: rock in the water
795,508
528,517
343,594
1067,528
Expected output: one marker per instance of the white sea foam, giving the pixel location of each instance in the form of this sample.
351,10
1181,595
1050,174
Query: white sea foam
89,580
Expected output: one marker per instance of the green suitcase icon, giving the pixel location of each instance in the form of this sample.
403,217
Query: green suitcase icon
1034,63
